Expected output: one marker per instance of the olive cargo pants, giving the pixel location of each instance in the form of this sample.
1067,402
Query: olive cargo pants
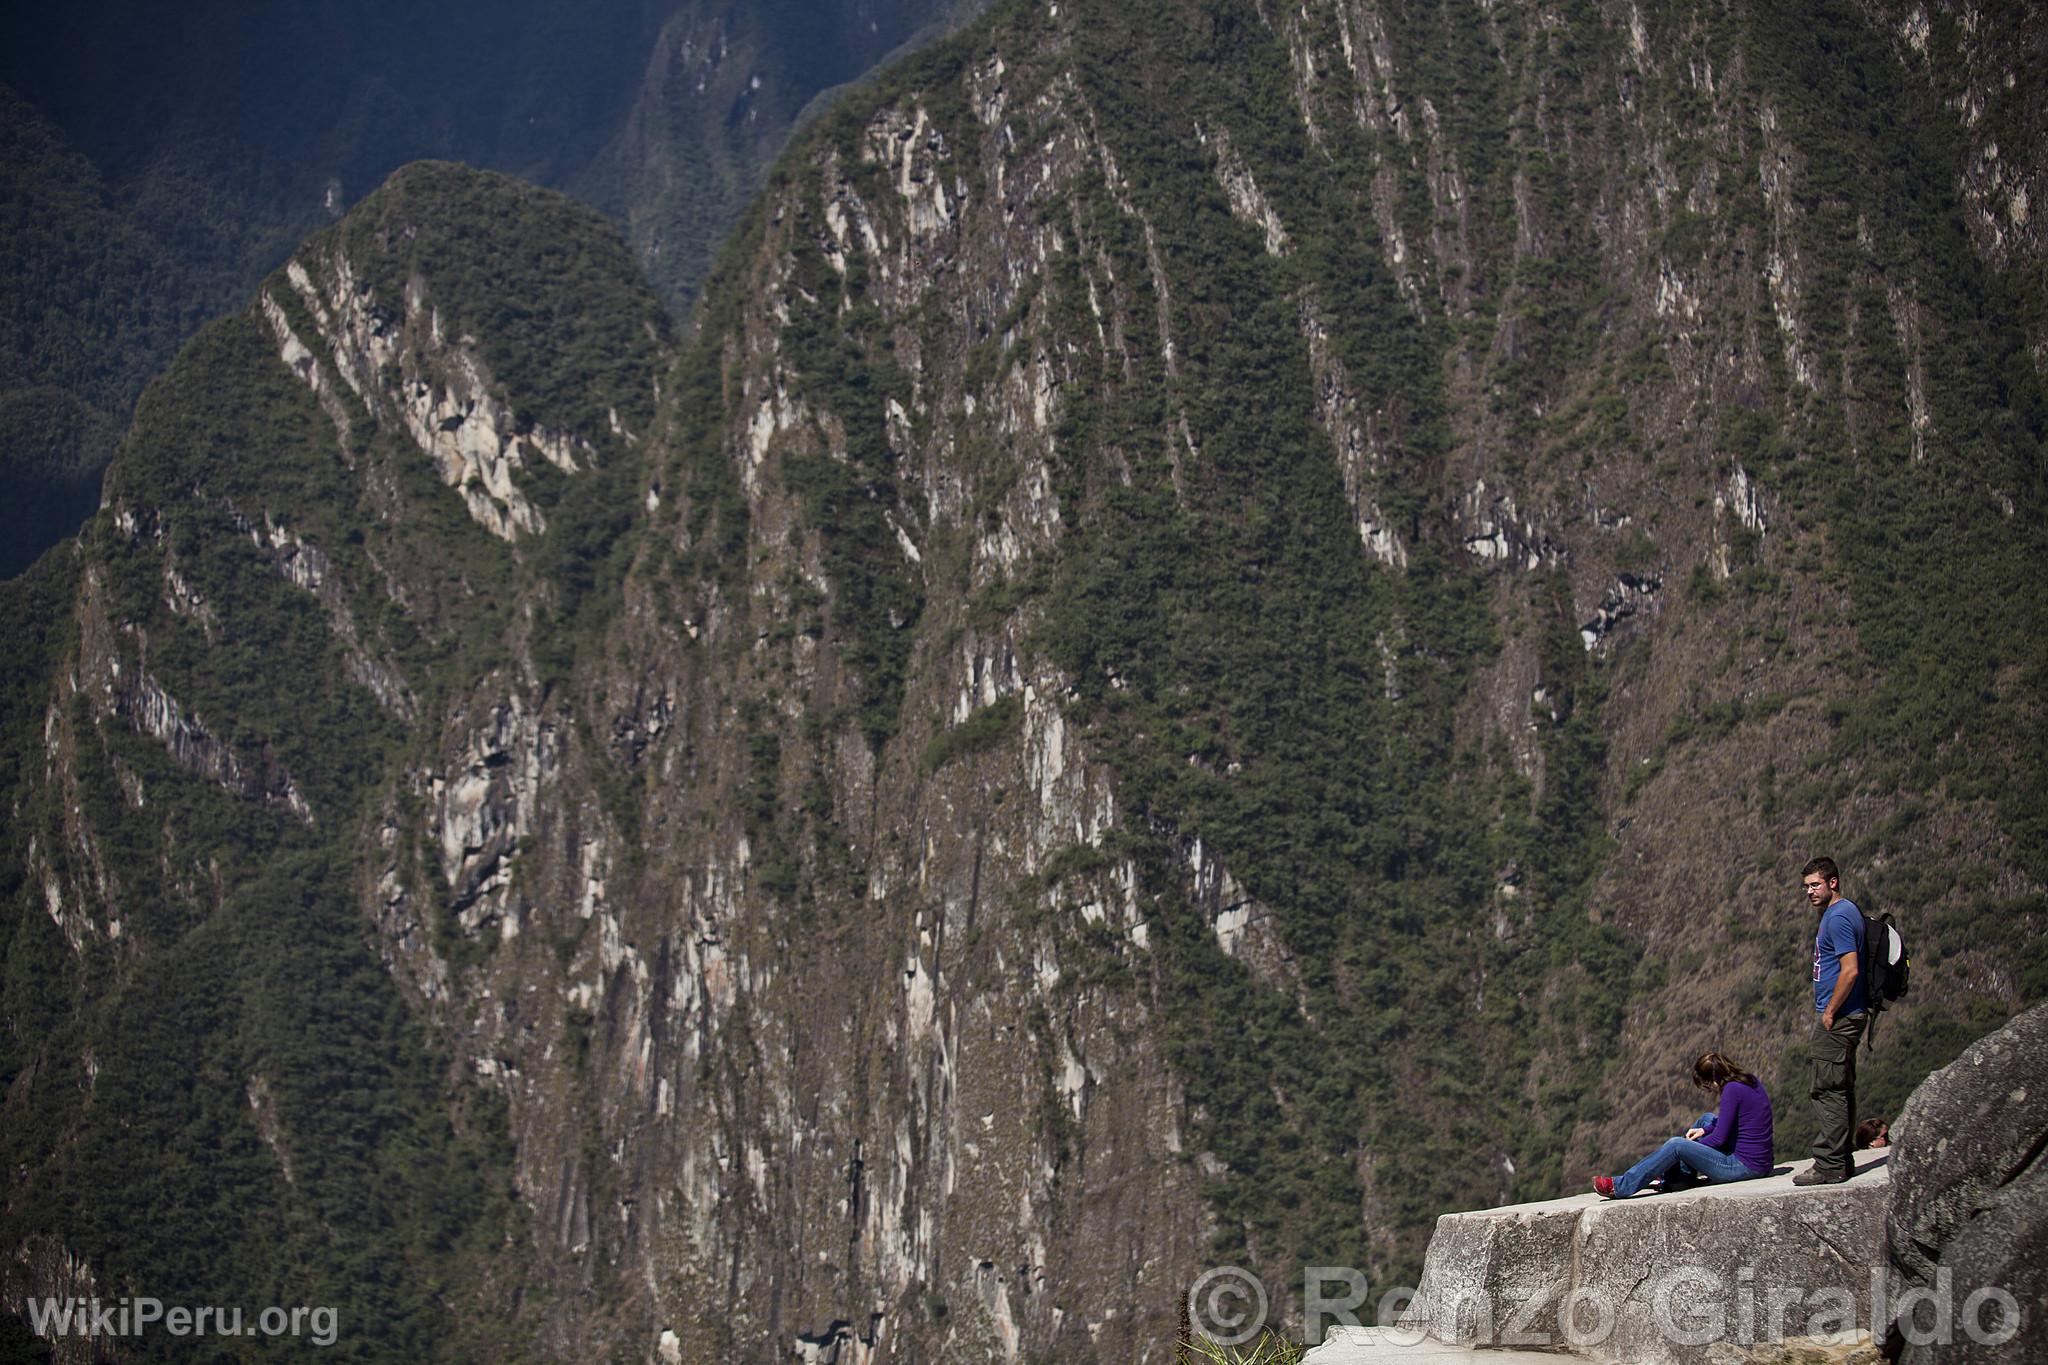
1834,1092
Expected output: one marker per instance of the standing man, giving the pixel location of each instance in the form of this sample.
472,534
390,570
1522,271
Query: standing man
1838,999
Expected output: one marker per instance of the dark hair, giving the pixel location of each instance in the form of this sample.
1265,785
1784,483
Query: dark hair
1825,866
1712,1071
1867,1131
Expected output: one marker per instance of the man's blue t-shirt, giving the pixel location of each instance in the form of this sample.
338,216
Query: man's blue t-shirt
1841,931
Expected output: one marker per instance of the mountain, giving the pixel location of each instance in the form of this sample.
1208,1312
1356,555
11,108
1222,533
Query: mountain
723,86
91,309
1228,630
163,159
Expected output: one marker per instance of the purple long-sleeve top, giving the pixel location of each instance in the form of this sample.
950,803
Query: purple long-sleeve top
1742,1127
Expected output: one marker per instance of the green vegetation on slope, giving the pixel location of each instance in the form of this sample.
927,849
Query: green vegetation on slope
545,293
1258,683
545,286
1255,680
258,1067
1233,618
1941,551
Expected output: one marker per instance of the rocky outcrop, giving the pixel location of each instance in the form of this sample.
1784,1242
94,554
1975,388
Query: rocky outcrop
154,711
128,690
1967,1226
1937,1245
1696,1277
45,1282
443,396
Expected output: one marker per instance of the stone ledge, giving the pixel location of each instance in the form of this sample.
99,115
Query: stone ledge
1754,1262
1385,1346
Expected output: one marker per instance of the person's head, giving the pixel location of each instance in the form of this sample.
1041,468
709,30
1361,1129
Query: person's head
1822,882
1873,1133
1712,1071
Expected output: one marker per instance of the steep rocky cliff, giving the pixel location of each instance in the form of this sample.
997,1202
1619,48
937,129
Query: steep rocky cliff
1228,631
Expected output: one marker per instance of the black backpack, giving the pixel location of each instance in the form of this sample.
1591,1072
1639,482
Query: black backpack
1886,966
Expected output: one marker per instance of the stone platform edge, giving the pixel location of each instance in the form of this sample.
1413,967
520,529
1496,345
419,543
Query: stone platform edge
1652,1280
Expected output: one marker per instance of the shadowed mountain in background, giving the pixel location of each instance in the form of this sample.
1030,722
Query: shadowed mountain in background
1228,631
162,158
91,308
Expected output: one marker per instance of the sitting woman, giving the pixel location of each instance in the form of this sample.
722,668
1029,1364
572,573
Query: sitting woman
1732,1143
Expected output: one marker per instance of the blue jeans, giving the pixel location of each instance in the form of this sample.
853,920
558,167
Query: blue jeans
1718,1167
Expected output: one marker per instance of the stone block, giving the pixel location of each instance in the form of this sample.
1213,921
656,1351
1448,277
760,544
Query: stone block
1968,1218
1659,1279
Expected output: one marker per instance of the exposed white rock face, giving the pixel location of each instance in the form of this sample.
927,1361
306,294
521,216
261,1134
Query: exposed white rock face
263,1106
1776,172
1354,439
916,153
1450,237
478,448
154,711
184,600
995,1298
1247,204
1497,530
141,702
1741,501
1365,48
300,360
1244,929
1630,593
985,86
1674,301
443,396
1076,801
1745,498
1232,908
486,803
307,567
1915,27
42,1263
69,917
774,413
1362,34
1907,321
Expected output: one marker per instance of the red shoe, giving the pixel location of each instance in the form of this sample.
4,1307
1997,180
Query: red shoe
1603,1185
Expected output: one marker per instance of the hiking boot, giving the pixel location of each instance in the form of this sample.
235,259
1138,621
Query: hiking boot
1603,1185
1817,1176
